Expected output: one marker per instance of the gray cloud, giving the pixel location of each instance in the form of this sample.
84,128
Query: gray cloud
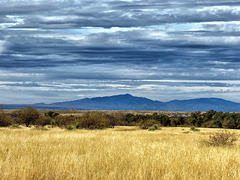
110,47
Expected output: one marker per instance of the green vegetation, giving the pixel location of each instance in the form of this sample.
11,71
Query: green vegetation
193,128
108,119
154,127
26,116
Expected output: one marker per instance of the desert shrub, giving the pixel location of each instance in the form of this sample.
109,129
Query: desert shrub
177,121
5,120
52,122
148,123
41,128
43,121
229,122
222,138
70,127
174,122
51,114
94,120
193,128
212,124
63,121
116,119
163,119
131,119
15,126
26,116
196,118
154,127
78,126
151,128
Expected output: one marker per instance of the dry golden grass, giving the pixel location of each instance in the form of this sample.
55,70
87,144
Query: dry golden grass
119,153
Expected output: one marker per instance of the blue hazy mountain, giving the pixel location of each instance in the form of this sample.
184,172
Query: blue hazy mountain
129,102
118,102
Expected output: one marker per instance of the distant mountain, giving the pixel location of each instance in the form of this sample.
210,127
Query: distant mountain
129,102
118,102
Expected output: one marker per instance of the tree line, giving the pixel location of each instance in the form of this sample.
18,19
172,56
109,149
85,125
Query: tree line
101,119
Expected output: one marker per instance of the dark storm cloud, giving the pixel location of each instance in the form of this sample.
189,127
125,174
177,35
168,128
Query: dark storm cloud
108,14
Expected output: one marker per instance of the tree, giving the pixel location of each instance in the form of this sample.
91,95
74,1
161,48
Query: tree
94,120
5,119
196,119
163,119
229,123
43,121
26,115
51,114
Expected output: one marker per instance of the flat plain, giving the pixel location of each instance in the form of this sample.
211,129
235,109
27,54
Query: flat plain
119,153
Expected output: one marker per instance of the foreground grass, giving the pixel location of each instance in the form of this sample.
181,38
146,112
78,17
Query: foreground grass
120,153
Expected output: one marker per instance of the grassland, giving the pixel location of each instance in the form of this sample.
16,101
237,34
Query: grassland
119,153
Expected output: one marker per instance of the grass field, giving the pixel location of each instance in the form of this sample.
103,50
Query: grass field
119,153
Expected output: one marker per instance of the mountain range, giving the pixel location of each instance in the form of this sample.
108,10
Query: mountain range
129,102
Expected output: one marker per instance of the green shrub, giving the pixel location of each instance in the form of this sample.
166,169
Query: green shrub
15,126
151,128
70,127
78,126
148,123
51,114
52,122
194,129
154,127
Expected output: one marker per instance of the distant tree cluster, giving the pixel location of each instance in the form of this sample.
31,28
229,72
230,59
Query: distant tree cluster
107,119
214,119
210,119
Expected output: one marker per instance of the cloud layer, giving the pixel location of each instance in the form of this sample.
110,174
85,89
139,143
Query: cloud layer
64,50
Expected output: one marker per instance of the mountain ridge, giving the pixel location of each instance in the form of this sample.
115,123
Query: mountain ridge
129,102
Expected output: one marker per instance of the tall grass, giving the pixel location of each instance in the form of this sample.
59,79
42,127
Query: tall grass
119,153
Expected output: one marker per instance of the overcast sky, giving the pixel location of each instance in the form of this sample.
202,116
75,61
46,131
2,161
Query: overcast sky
61,50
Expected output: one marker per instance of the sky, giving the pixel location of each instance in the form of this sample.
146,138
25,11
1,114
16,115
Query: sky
62,50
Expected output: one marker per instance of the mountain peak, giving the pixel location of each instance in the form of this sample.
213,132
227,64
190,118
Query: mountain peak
126,95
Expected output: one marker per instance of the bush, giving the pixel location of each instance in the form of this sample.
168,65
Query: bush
5,120
52,122
151,128
154,127
51,114
63,121
116,119
193,128
26,115
43,121
94,120
222,138
41,128
148,123
70,127
15,126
